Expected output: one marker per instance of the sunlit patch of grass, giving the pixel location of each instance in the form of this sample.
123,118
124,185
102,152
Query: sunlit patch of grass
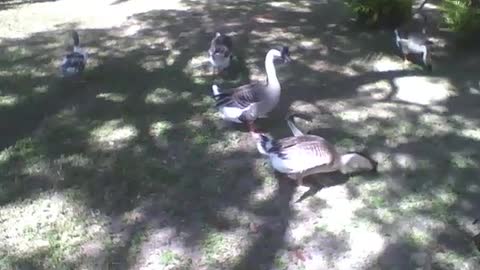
54,224
169,258
280,262
113,134
452,260
432,91
153,63
461,161
471,133
136,242
159,131
8,100
114,97
419,238
218,248
25,150
160,96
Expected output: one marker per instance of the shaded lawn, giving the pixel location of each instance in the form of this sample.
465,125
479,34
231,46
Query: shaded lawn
133,167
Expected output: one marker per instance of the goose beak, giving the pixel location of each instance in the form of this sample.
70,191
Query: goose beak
287,59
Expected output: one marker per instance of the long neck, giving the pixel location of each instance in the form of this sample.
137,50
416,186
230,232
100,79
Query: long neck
272,79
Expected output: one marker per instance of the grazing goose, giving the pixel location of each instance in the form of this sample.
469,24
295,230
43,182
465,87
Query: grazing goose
301,155
246,103
415,41
220,51
74,62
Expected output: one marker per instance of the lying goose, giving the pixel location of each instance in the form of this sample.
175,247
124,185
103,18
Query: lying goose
415,41
74,62
220,51
301,155
246,103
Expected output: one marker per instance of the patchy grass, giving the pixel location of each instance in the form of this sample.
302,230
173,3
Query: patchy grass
133,166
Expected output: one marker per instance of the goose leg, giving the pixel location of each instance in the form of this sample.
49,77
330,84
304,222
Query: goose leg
300,180
251,126
405,60
297,177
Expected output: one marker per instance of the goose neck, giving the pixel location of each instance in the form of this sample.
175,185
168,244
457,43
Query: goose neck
272,79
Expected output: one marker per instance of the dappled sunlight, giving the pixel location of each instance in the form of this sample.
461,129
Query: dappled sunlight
113,97
153,63
198,67
90,14
159,131
336,219
161,96
113,134
424,91
153,257
57,222
8,100
269,187
387,64
133,166
41,89
33,72
300,6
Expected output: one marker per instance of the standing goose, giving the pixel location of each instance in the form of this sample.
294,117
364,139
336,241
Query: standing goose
220,51
415,41
246,103
301,155
74,62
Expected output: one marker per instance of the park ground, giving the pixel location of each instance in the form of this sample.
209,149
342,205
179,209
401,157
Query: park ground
133,169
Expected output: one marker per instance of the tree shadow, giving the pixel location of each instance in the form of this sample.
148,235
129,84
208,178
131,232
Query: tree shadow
140,138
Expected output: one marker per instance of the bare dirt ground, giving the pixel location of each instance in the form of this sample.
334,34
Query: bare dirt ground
133,169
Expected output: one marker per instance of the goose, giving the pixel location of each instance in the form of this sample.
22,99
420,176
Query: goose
220,51
74,62
246,103
415,41
302,154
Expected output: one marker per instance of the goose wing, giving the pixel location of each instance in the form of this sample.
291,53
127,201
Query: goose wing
309,150
242,97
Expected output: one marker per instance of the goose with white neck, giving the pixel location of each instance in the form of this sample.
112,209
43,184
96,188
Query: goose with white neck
301,155
246,103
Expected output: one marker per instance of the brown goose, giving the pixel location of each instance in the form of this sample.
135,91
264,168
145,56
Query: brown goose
302,155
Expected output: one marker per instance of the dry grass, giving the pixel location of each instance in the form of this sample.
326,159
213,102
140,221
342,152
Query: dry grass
132,169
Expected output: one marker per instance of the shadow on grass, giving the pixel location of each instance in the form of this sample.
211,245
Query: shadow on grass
140,140
10,4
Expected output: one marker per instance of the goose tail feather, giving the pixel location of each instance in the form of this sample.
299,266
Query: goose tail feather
356,162
291,124
215,90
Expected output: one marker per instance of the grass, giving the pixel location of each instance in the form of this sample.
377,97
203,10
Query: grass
133,167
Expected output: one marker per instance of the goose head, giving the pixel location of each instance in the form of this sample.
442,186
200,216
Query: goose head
263,142
281,53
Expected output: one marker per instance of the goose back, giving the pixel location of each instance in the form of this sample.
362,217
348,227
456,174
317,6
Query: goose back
244,102
299,154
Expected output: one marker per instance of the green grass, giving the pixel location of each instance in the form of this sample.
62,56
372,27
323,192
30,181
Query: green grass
82,159
169,258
